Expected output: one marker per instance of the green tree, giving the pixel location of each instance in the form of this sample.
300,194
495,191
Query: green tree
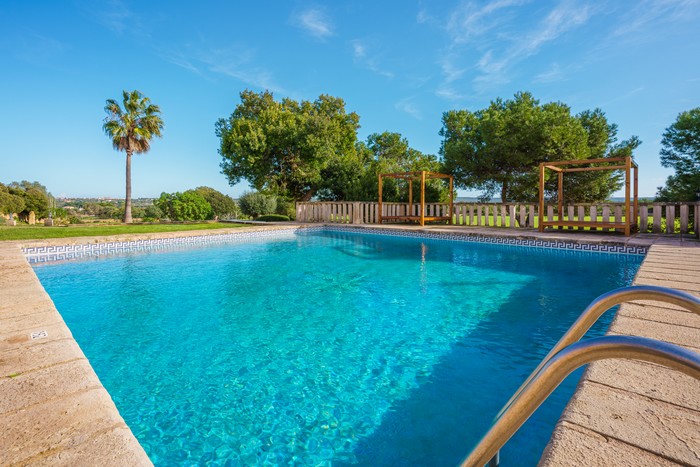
257,204
602,141
131,130
35,195
283,147
10,203
356,179
187,206
221,204
680,150
501,146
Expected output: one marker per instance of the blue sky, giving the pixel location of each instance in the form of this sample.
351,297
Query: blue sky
398,64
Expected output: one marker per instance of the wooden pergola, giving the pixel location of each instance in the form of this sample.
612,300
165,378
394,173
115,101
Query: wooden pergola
410,176
562,167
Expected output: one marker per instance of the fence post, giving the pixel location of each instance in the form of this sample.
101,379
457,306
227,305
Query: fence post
670,218
656,226
684,218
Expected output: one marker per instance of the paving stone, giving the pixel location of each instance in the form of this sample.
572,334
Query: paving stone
29,306
13,340
29,321
115,448
677,316
667,385
680,335
577,446
42,354
693,288
27,389
57,425
658,427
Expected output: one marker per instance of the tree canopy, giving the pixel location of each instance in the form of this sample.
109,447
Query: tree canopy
680,150
10,203
356,178
501,146
23,197
131,130
221,205
284,147
187,206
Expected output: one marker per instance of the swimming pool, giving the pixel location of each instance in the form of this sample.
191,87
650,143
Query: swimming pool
327,346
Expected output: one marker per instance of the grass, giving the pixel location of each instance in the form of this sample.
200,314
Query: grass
35,232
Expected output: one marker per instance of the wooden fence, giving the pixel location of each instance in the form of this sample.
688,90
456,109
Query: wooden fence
653,217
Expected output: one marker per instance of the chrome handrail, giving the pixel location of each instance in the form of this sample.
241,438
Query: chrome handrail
558,367
602,304
591,315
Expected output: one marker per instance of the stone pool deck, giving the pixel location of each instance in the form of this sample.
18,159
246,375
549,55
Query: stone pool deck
54,410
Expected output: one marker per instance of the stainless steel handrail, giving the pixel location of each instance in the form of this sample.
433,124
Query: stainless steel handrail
558,367
591,315
602,304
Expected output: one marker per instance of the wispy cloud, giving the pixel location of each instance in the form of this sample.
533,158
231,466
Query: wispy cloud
450,94
423,17
552,75
236,62
408,106
314,22
626,95
116,16
359,49
450,70
647,12
565,17
38,49
371,61
471,20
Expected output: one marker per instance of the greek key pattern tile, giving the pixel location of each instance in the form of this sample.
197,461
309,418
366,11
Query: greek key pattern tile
64,252
467,237
45,254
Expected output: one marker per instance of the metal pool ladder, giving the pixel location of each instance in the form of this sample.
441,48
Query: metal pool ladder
568,354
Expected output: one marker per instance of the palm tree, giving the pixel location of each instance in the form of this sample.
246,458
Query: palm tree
131,130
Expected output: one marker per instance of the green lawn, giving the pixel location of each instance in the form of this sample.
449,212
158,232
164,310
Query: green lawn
31,232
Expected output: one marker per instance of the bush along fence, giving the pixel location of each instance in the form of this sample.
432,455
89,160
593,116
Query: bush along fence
653,217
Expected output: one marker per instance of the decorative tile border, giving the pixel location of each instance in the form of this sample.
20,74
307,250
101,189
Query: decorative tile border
477,238
46,254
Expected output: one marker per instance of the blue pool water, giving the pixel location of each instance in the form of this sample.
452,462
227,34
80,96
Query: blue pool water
327,347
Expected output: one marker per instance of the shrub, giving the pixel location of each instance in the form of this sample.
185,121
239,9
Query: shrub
74,220
187,206
152,212
222,206
286,207
59,213
257,204
274,218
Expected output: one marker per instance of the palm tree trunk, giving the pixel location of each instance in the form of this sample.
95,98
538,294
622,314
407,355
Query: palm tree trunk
127,203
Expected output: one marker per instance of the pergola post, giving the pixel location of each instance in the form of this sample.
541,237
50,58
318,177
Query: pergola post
560,197
636,198
452,204
379,214
410,198
628,217
422,198
540,214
